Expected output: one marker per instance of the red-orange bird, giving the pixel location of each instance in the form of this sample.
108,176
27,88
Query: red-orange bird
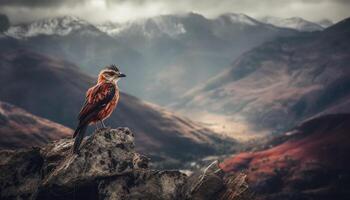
101,100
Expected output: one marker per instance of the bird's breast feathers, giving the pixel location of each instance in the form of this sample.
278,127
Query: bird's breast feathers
101,99
100,91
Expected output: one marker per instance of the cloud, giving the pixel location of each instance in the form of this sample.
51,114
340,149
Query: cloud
310,9
122,10
41,3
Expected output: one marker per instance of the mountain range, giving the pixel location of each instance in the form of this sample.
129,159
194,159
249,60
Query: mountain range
55,89
167,54
296,23
325,23
204,47
280,83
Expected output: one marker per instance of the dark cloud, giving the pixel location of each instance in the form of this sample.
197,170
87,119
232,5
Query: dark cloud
206,2
41,3
121,10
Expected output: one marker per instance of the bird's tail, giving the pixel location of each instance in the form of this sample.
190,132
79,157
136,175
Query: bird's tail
78,135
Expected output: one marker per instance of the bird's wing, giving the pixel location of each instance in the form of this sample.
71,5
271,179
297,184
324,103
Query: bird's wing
97,98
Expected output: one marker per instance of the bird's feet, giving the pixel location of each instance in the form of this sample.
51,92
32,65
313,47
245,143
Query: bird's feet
97,128
103,124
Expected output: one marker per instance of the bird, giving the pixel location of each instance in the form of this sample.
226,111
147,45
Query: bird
101,100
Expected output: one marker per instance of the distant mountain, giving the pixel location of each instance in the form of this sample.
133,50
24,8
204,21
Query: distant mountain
280,83
175,47
309,162
175,25
325,23
60,26
20,129
162,53
55,89
72,39
296,23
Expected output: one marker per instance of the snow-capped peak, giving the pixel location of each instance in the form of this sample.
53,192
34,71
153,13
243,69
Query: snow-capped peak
296,23
325,23
111,28
240,18
52,26
150,27
169,26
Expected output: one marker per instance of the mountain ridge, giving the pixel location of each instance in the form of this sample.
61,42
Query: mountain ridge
275,84
296,23
158,51
61,26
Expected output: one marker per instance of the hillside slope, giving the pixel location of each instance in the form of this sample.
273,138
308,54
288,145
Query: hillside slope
309,162
55,89
20,129
282,82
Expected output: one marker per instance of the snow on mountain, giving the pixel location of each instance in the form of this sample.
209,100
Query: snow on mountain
170,25
53,26
150,27
296,23
325,23
110,28
239,18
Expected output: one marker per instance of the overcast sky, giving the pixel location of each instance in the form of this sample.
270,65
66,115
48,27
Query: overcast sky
123,10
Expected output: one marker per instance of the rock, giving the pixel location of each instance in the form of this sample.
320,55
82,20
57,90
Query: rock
19,174
105,153
107,167
145,185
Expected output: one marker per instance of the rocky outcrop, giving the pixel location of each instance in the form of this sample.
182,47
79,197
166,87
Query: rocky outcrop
107,167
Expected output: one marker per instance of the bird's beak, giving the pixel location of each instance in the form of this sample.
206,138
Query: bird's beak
122,75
